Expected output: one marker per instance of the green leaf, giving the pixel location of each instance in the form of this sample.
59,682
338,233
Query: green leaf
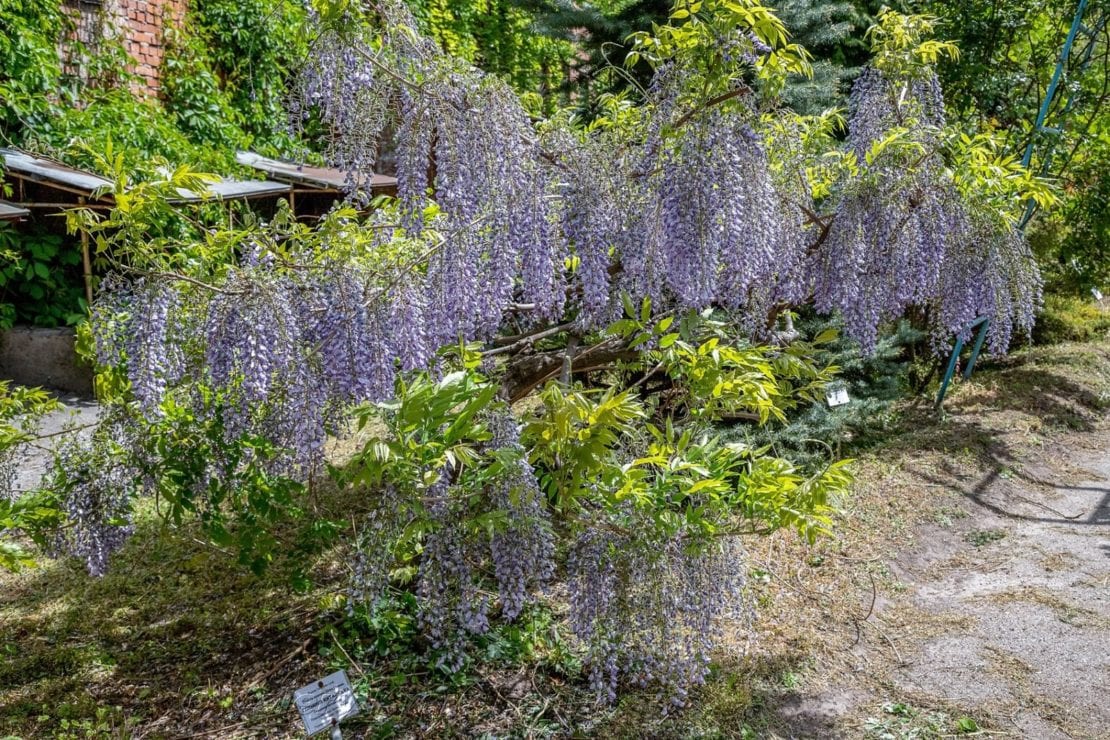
702,485
967,725
458,428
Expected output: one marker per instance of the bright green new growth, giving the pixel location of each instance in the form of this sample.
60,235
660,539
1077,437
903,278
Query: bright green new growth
34,516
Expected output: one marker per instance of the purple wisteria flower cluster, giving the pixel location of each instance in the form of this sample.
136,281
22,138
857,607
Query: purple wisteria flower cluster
456,560
549,219
339,87
373,552
284,352
902,234
498,217
651,611
723,228
523,550
690,215
95,485
452,604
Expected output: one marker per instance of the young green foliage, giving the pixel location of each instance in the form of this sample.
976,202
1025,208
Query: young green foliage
29,515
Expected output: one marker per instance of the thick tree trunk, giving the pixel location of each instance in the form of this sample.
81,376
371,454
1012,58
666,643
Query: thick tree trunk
527,372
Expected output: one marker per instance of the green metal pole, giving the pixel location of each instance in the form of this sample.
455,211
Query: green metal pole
983,323
1061,63
1050,93
1030,207
949,372
982,335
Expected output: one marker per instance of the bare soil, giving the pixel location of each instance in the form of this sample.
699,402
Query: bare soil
1021,585
993,605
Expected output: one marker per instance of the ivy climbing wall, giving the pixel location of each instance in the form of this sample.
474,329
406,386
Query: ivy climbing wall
144,24
141,26
87,27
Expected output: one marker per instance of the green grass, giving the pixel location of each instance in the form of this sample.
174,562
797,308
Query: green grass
984,537
901,721
173,631
1071,319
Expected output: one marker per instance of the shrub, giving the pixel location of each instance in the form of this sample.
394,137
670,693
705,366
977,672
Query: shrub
1071,319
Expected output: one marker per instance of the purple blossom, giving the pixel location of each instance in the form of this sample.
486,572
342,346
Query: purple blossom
523,552
154,356
451,604
94,483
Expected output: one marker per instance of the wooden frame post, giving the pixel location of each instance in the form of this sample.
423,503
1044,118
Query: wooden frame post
86,260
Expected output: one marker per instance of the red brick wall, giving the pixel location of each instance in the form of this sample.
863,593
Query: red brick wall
142,25
86,18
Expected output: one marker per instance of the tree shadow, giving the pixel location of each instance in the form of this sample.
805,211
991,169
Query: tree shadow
163,642
1019,388
978,449
982,492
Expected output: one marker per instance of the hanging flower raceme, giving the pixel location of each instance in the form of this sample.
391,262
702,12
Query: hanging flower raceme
651,612
523,551
902,235
94,484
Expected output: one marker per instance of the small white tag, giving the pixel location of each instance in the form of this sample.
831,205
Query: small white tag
1097,294
325,703
837,396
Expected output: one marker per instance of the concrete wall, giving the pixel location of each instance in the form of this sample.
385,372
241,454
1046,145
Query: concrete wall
44,357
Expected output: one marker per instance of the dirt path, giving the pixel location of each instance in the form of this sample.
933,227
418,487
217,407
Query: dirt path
73,412
996,609
1028,572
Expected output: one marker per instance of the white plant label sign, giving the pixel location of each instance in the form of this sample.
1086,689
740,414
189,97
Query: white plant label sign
1097,294
837,396
325,703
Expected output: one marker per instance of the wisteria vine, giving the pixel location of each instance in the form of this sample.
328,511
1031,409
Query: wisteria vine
504,226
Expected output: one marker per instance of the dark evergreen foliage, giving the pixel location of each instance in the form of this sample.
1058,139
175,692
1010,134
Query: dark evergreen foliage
818,433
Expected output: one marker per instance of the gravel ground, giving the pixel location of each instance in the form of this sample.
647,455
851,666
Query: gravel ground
1030,569
74,412
996,605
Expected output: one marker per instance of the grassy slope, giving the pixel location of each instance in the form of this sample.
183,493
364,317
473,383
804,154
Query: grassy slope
178,641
